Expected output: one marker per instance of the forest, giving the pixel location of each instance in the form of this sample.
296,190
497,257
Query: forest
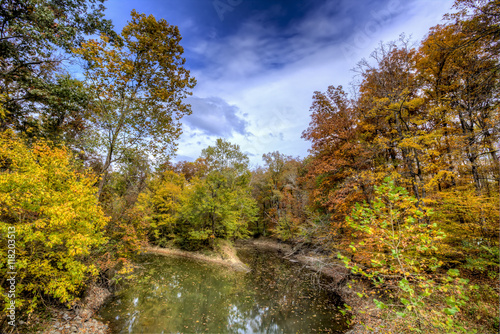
401,185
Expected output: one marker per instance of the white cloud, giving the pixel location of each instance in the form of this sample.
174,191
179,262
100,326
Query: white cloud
215,117
270,74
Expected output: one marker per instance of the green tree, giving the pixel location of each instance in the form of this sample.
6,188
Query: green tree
35,38
220,204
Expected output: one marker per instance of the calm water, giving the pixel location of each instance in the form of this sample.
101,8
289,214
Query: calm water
178,295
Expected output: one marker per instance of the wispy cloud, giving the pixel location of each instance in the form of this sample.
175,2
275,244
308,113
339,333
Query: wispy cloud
261,77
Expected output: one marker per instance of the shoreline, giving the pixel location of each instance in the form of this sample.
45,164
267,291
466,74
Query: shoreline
81,318
311,260
226,258
334,270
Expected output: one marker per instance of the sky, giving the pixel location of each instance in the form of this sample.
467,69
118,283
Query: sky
258,62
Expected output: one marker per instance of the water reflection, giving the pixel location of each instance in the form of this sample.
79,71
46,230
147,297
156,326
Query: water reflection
176,295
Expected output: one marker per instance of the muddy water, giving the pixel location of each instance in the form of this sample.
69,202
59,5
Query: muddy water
178,295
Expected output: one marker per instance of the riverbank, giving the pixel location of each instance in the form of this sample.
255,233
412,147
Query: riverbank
80,319
359,293
320,263
225,256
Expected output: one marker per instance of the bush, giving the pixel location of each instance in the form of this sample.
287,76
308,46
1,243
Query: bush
396,250
58,222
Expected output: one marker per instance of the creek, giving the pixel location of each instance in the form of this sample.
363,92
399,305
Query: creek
179,295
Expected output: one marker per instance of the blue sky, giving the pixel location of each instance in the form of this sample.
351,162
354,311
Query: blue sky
258,62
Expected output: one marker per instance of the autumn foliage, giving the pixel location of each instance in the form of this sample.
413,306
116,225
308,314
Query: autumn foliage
402,181
427,119
58,222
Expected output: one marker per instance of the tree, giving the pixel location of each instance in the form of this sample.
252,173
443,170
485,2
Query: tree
390,101
191,169
461,76
139,89
225,158
339,153
394,249
35,38
160,207
58,223
220,204
283,200
212,202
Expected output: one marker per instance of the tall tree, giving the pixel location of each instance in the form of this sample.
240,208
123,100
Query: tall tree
461,76
390,100
139,88
338,154
220,204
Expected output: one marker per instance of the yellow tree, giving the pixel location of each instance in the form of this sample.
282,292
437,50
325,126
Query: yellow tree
393,110
458,66
57,221
160,206
139,85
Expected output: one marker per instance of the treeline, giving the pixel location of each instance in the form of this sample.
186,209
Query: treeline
402,180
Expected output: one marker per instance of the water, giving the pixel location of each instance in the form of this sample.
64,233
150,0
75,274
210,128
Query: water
178,295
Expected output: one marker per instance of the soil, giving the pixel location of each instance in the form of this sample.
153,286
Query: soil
226,256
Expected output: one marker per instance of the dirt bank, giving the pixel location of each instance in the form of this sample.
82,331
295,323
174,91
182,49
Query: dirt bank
326,265
226,256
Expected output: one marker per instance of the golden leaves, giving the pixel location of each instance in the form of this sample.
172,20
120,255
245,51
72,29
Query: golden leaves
56,215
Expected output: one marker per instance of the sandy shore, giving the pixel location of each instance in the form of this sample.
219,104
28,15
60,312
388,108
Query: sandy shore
227,256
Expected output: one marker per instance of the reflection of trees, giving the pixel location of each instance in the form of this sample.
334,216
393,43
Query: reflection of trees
172,295
286,301
177,295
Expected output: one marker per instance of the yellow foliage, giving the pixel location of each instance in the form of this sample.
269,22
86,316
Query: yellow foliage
58,222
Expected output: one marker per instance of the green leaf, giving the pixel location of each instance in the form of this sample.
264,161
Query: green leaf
379,304
401,314
453,272
451,311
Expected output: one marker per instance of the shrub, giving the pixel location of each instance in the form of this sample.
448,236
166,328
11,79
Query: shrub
395,249
58,222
